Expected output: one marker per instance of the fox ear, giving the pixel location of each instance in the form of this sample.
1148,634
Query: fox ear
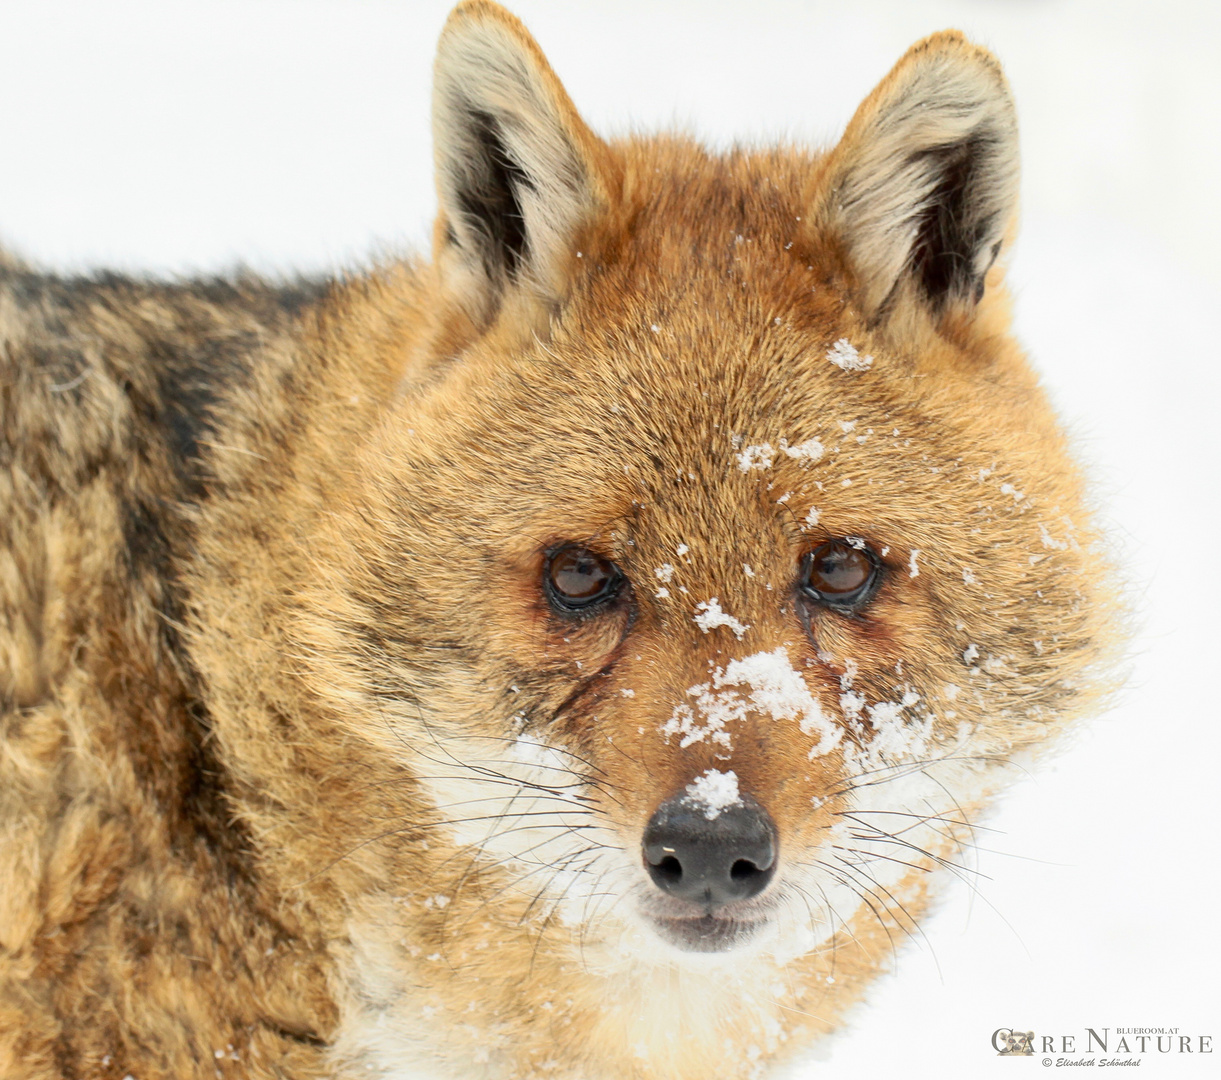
921,190
517,169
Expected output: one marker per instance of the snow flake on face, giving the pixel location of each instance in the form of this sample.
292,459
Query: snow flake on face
757,456
765,683
805,453
713,792
885,732
531,751
912,569
852,704
1050,541
708,616
844,356
896,736
664,573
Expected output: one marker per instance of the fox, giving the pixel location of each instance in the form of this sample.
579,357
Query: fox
577,654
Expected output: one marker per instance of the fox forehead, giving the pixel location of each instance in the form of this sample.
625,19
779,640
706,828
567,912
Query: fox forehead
700,319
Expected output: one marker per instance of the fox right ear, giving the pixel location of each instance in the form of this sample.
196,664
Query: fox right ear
921,190
517,169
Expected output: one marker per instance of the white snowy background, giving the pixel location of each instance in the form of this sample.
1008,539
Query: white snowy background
179,137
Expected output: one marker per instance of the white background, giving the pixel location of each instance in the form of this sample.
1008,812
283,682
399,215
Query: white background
182,137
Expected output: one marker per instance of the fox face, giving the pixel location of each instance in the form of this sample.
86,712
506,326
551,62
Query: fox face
695,563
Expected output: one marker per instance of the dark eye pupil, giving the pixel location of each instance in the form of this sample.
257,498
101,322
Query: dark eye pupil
579,574
838,570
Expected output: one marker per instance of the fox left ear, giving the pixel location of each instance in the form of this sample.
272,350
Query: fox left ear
518,171
921,190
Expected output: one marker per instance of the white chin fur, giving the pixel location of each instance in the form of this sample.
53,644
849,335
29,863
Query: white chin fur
598,904
517,803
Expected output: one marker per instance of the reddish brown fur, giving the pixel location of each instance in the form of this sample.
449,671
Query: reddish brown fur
213,775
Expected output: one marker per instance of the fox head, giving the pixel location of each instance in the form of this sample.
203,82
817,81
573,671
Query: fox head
662,576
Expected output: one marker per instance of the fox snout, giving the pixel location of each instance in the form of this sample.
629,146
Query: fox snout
710,859
707,850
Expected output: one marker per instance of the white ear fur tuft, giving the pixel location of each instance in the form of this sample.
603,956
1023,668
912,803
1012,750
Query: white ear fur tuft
517,169
922,188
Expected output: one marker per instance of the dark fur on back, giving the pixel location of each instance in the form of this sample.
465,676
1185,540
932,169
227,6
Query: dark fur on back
108,392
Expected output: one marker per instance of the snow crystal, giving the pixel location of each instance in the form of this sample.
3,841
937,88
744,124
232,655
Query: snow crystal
894,736
681,550
967,577
776,689
747,570
664,573
913,569
971,653
714,792
812,517
805,453
852,704
850,673
708,616
884,712
662,593
843,355
757,456
1050,541
531,751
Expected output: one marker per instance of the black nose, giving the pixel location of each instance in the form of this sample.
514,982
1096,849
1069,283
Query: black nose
710,861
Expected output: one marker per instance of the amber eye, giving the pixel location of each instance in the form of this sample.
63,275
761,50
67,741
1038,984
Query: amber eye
576,578
841,574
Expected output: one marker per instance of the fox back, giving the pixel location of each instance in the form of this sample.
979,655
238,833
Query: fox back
571,656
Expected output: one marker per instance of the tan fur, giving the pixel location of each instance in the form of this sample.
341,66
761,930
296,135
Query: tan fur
299,775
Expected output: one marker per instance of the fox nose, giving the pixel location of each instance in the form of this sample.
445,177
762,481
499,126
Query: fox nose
710,861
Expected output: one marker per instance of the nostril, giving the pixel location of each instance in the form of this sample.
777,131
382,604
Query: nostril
744,870
669,871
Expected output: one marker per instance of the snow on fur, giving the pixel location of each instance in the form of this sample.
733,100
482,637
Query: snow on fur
713,792
843,355
708,616
765,683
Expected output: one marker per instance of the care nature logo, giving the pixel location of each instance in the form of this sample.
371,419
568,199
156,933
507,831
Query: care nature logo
1065,1050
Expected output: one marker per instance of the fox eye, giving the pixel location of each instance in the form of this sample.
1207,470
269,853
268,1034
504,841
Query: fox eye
576,578
840,574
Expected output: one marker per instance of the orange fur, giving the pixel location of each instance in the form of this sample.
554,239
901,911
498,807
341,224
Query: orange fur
296,760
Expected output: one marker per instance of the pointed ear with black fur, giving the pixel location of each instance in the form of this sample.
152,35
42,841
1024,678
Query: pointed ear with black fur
922,189
518,171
